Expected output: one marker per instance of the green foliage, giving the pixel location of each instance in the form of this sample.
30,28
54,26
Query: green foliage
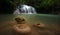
8,6
46,3
41,3
12,4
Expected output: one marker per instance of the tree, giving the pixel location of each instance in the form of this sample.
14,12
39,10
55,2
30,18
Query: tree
8,6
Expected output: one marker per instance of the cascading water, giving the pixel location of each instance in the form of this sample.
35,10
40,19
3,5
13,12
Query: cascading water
25,9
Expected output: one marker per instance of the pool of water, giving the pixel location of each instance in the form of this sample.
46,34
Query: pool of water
30,19
33,18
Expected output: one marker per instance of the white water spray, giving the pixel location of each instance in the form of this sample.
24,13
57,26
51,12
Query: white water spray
25,9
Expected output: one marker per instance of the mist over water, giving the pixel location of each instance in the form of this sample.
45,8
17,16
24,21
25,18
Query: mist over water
25,9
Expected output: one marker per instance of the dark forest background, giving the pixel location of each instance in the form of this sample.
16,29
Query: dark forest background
41,6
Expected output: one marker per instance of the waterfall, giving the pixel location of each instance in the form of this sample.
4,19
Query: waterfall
25,9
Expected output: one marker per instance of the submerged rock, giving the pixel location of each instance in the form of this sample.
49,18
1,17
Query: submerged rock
40,25
21,27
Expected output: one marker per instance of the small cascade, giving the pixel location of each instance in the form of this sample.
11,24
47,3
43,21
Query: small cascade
25,9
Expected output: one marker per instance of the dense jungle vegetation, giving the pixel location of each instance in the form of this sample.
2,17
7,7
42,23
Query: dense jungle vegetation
41,6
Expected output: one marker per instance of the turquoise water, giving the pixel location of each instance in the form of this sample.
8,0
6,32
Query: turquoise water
30,19
33,18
